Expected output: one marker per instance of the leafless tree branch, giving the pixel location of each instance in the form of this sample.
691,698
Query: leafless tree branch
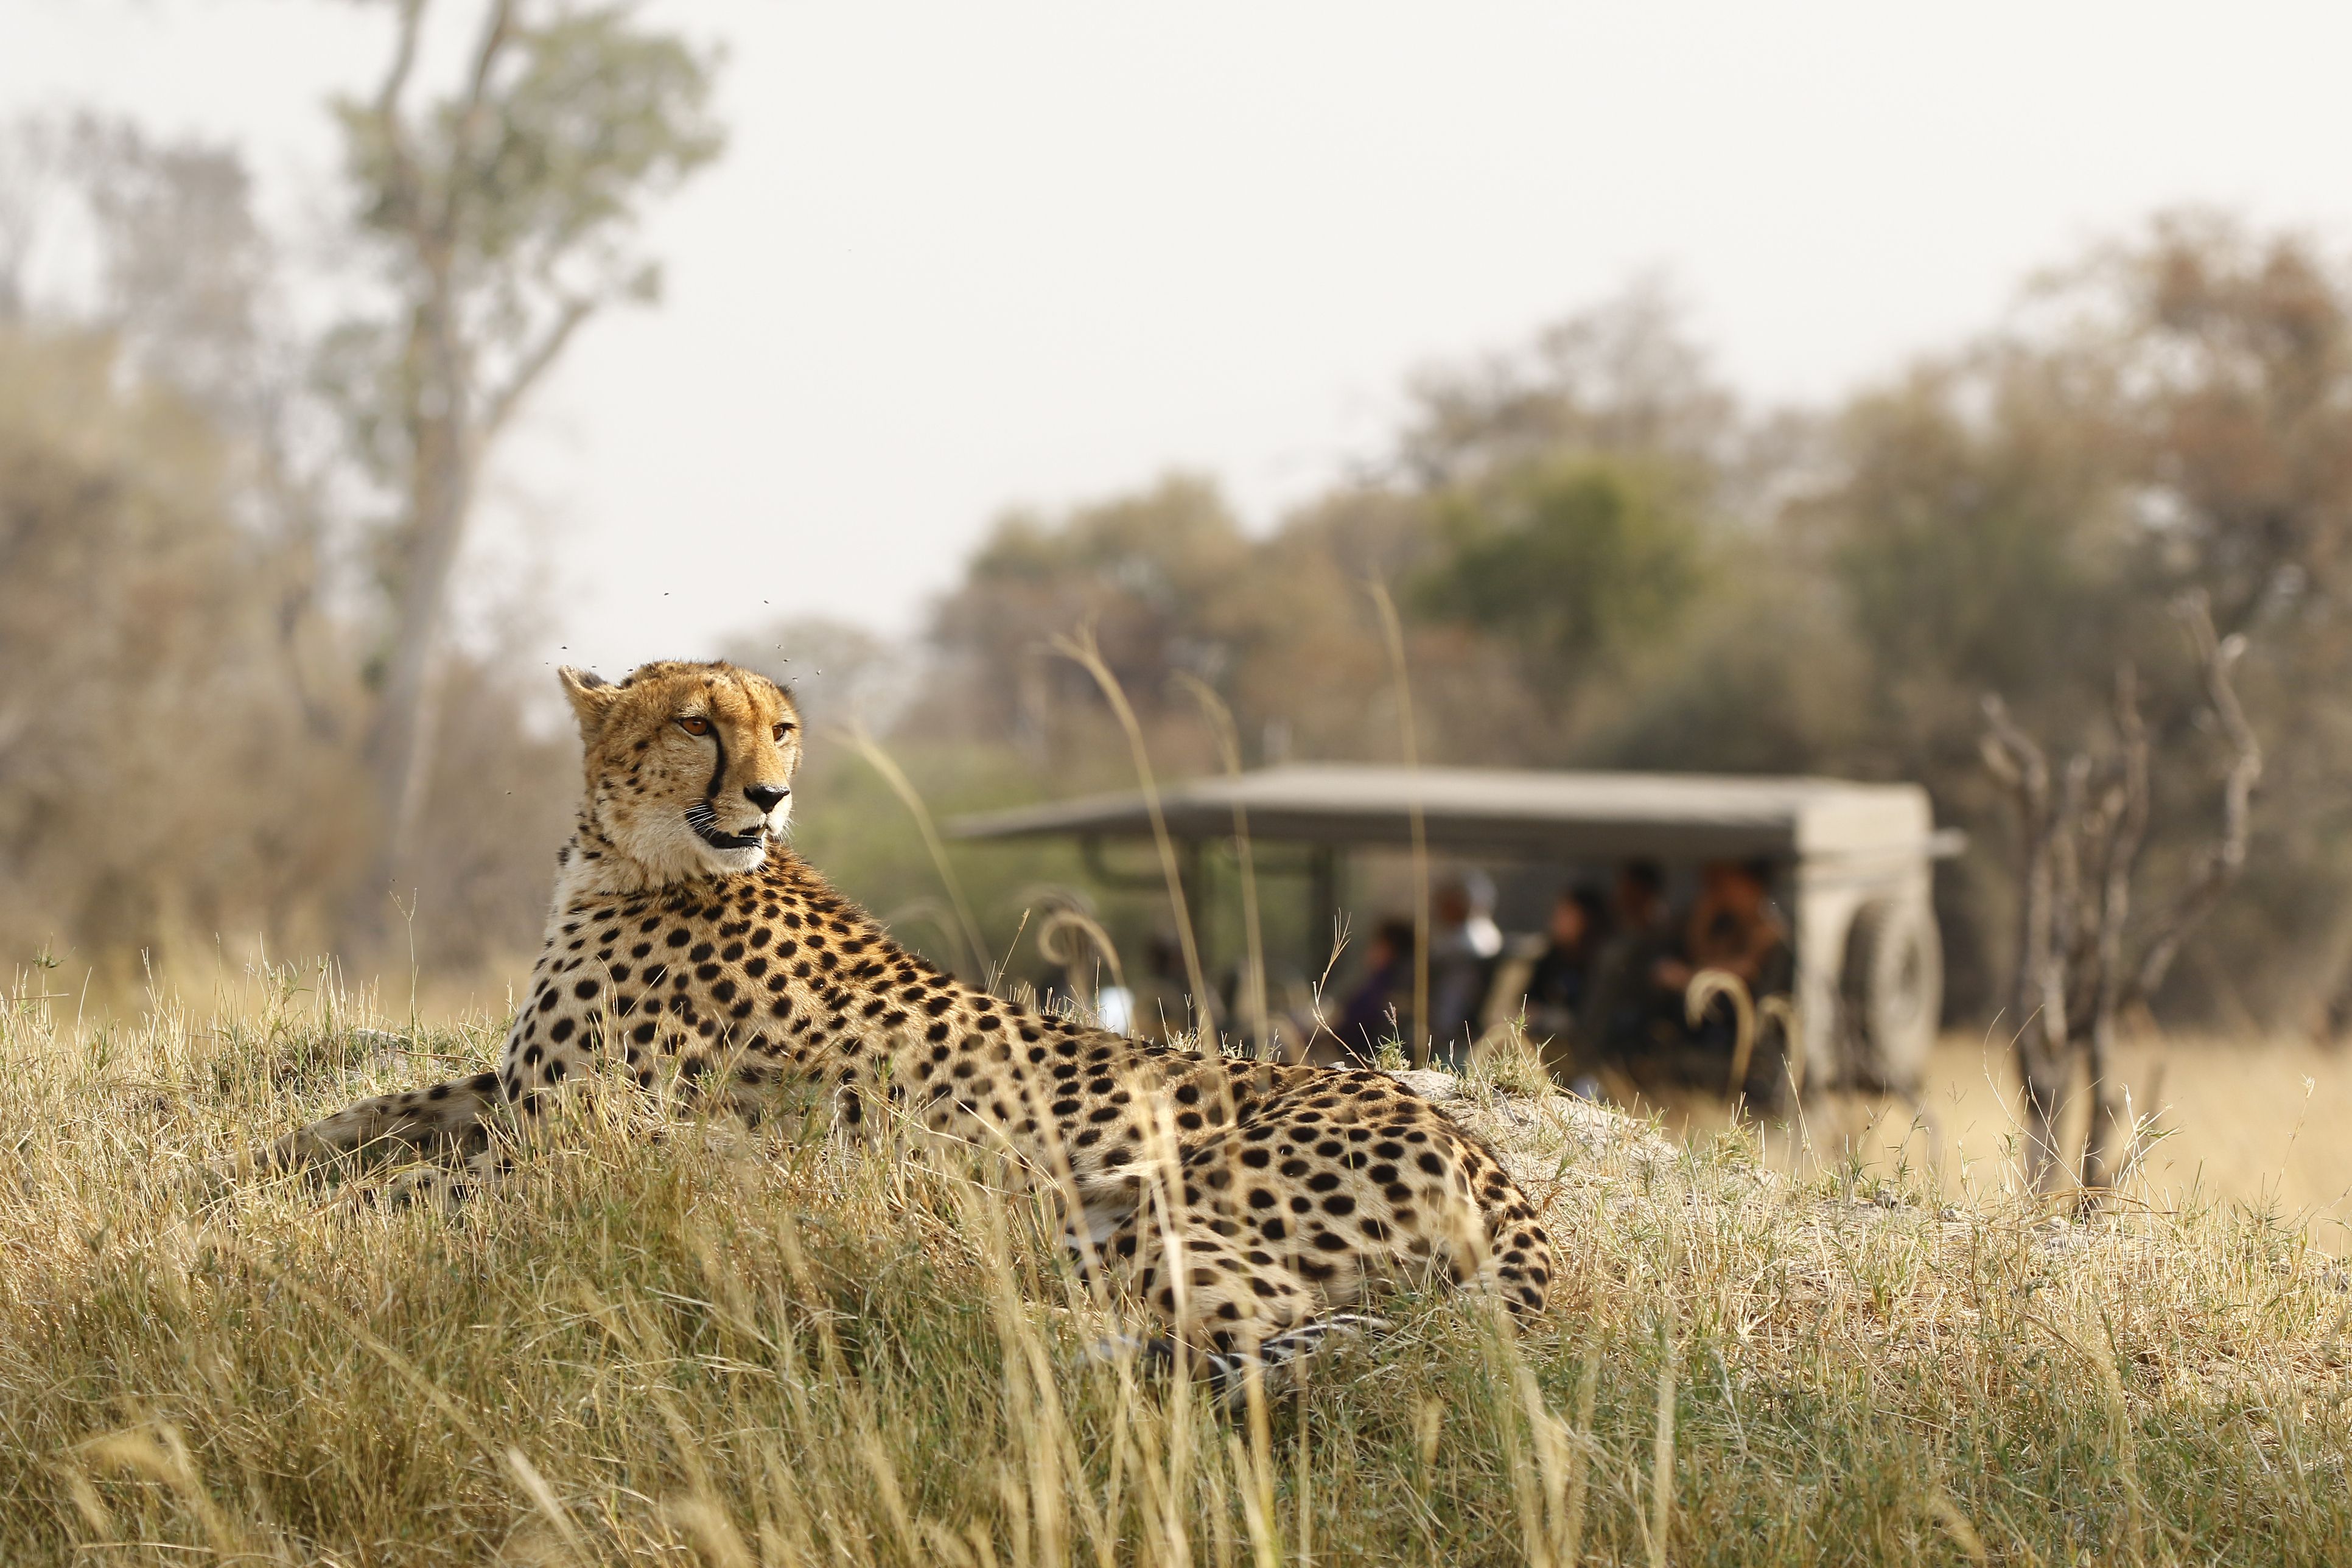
387,106
534,364
2038,992
2124,830
2227,857
497,27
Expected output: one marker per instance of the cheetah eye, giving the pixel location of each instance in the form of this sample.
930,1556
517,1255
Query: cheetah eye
695,726
783,729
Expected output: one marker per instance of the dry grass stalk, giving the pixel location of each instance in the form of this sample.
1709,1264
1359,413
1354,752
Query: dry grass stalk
882,762
1748,1015
1081,648
551,1507
1587,1388
1056,931
1393,634
1956,1524
1229,749
157,1451
1661,1452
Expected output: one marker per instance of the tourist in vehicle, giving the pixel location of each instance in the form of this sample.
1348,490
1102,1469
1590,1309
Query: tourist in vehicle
1733,927
1463,944
1630,1007
1562,977
1370,1016
1557,985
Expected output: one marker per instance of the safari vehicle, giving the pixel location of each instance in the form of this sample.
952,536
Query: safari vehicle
1853,864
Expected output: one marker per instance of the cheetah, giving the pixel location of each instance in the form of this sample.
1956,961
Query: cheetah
1245,1205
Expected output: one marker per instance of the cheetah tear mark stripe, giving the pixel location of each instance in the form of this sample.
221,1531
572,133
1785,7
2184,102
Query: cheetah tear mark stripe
703,814
717,775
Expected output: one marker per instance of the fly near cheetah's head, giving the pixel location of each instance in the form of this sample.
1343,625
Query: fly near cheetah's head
689,766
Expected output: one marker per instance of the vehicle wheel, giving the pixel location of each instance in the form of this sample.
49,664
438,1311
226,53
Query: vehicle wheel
1893,993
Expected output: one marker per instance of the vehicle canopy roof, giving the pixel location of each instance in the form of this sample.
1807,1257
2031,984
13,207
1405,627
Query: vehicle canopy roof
1512,813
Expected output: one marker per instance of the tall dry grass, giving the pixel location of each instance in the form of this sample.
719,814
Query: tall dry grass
734,1348
2260,1123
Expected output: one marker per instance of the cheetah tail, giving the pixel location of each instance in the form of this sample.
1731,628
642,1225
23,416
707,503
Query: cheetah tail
450,1115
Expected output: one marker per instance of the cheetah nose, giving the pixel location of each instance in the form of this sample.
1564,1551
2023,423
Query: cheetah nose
765,796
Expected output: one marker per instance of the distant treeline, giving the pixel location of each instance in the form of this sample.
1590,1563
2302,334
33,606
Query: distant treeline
1602,558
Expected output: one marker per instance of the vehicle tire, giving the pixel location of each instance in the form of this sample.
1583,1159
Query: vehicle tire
1892,990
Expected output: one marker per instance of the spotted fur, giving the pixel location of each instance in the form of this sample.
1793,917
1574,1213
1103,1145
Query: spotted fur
1242,1201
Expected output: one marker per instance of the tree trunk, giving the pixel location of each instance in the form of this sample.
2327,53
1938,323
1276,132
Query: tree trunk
2125,828
400,740
2037,985
2044,1065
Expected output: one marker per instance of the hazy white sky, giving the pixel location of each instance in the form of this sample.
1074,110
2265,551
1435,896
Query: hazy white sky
963,255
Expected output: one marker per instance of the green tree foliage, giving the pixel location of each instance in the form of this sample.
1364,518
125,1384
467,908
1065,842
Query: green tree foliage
1153,573
1624,378
1282,627
1578,563
1549,525
2234,352
1975,550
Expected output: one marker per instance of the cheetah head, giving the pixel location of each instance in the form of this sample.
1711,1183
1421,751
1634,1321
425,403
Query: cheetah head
690,765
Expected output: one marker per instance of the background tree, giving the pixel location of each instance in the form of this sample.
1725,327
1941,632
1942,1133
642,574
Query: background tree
501,219
1625,379
1576,563
2171,413
2236,347
1154,572
190,289
2081,831
143,677
175,582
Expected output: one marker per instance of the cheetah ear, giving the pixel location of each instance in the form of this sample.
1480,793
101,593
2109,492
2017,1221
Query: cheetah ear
591,695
